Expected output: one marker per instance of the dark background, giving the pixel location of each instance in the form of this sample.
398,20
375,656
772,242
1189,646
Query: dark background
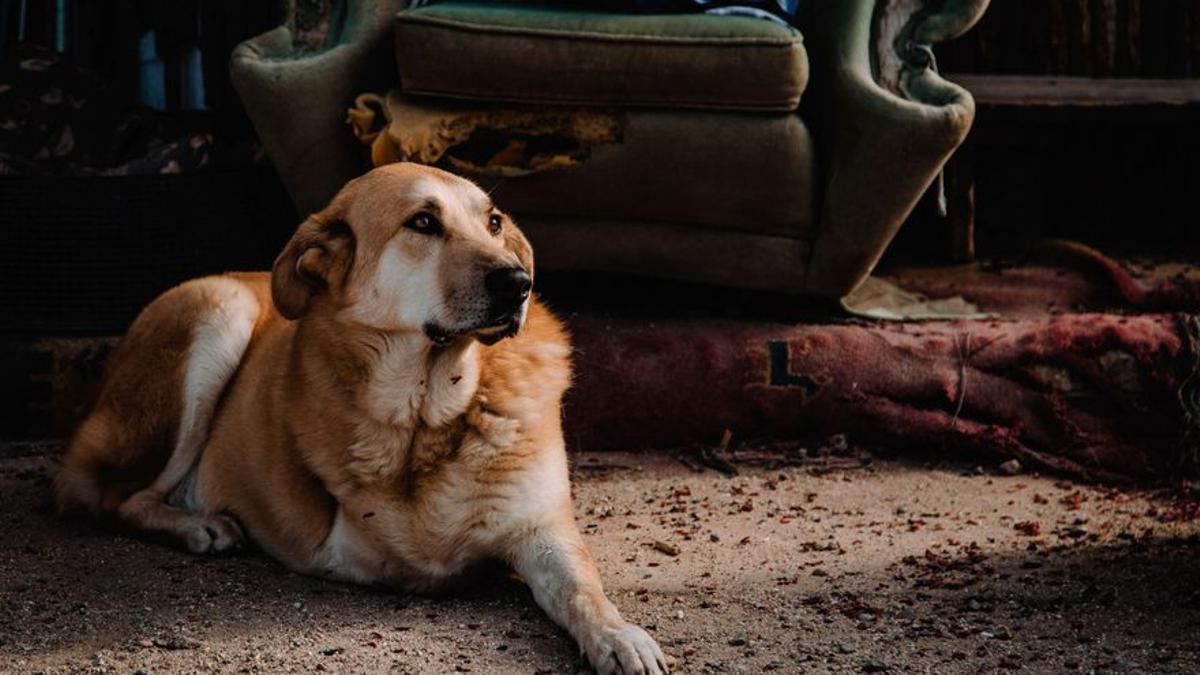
1124,178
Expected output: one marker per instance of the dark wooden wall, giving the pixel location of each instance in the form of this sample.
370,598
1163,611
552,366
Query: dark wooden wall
102,35
1121,177
1096,38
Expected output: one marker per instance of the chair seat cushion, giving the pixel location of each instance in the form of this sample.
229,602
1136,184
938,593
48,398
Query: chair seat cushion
545,53
729,171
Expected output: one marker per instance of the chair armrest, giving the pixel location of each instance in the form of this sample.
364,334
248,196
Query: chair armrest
886,122
297,100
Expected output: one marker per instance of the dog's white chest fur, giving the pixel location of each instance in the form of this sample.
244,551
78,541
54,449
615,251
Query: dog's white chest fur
410,387
395,549
453,523
400,394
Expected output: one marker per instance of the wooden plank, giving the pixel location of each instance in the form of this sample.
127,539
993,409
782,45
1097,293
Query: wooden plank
1079,38
1194,33
1155,20
1059,44
1179,38
1104,46
1129,38
986,35
1012,43
1038,50
1038,91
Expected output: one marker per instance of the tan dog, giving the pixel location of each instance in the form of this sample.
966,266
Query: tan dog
368,425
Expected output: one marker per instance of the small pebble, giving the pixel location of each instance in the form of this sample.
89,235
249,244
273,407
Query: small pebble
664,547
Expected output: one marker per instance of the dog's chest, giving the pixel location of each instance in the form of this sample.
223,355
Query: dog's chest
407,387
392,549
455,519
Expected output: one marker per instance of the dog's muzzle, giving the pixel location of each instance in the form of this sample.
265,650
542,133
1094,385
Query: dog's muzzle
507,289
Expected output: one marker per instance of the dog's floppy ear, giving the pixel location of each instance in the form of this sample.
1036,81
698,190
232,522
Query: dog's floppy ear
317,258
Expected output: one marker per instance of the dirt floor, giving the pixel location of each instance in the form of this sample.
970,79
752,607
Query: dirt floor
828,566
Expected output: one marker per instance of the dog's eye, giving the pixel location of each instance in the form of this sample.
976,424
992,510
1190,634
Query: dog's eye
495,223
425,223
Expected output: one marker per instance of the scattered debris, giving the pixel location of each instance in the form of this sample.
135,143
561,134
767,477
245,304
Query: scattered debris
664,547
984,572
718,458
1010,468
1029,528
834,455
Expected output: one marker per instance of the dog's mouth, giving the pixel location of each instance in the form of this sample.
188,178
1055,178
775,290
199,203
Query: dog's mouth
505,326
495,330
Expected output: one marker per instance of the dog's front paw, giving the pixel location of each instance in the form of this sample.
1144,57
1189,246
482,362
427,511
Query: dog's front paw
625,649
215,534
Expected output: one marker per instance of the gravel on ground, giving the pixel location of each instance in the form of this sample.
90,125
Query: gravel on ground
885,565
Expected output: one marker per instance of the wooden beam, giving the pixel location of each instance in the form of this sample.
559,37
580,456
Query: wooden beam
1086,92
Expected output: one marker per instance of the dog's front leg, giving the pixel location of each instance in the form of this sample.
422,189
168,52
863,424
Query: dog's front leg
558,568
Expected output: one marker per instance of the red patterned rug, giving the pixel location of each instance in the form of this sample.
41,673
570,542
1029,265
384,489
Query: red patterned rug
1090,368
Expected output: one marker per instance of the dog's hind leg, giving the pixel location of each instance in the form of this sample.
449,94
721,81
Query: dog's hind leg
219,339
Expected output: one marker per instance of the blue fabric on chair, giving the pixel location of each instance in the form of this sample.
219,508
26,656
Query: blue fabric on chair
779,11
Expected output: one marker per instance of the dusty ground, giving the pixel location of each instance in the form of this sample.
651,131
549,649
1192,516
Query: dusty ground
895,567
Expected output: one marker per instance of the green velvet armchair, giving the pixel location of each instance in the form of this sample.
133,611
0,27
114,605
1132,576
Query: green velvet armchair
732,151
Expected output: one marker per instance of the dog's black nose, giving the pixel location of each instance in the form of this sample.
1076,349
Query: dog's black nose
507,287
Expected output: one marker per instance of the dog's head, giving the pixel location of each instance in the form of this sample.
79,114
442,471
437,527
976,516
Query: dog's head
409,248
